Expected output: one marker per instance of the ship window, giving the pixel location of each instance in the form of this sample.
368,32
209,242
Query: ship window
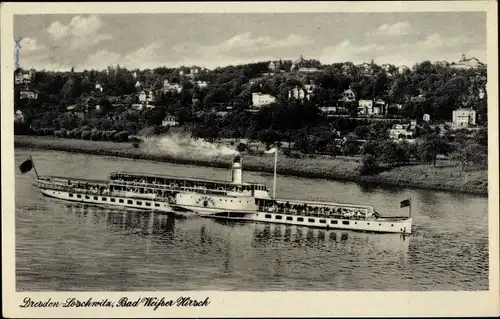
104,199
138,202
96,198
87,197
368,223
335,222
148,204
345,222
130,202
300,219
70,195
322,221
311,220
157,205
112,199
79,196
268,215
289,218
392,225
379,224
120,200
356,223
278,217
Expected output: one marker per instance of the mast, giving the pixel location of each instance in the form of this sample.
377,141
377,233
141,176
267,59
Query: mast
34,167
275,164
409,209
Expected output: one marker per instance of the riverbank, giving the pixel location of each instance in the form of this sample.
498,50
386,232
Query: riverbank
444,177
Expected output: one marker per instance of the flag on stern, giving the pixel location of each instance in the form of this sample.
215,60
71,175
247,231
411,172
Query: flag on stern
271,151
405,203
26,166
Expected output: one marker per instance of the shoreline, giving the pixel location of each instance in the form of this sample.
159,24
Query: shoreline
413,176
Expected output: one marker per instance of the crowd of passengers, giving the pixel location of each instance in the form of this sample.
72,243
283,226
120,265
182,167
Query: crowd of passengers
98,189
172,184
318,211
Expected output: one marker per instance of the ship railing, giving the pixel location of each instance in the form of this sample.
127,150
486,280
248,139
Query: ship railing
197,189
356,214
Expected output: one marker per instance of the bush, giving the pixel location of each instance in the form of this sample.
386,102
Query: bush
121,136
241,147
96,136
63,132
370,165
85,135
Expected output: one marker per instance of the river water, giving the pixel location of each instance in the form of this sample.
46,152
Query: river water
62,246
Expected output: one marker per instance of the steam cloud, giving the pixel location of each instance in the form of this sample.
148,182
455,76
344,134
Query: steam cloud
184,144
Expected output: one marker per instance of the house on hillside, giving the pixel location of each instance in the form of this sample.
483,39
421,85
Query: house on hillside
98,87
202,84
146,96
24,77
467,63
399,131
171,87
348,96
274,66
302,93
29,94
260,99
464,117
19,116
169,120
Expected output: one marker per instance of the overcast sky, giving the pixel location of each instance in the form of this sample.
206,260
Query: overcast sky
211,40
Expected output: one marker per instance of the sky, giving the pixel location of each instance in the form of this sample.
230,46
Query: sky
59,42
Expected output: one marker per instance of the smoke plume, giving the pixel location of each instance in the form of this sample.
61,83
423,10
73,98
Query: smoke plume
184,144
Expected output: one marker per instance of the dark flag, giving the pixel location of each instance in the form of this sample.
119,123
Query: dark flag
26,166
405,203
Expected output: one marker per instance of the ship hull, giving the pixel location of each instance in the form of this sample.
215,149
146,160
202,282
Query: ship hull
380,225
108,200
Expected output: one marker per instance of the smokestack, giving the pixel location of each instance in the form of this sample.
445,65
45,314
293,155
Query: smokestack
237,171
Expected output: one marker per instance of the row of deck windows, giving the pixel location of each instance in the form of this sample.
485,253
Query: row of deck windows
310,220
113,200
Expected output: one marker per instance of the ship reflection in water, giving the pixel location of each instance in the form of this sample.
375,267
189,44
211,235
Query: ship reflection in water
161,227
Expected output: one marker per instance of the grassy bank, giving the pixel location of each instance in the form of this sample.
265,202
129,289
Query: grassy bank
445,176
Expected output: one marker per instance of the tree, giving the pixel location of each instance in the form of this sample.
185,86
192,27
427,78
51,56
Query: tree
431,147
470,153
268,137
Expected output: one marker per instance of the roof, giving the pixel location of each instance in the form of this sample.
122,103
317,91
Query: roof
463,109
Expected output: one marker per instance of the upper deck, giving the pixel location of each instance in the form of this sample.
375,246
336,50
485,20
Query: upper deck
177,182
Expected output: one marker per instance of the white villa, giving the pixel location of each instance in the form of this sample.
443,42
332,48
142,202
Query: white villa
260,99
463,117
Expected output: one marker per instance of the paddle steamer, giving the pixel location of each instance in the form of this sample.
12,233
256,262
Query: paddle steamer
232,199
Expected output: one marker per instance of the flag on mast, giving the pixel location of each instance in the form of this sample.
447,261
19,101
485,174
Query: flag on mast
405,203
271,151
26,166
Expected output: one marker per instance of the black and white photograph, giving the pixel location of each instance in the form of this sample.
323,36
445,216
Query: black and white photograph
262,151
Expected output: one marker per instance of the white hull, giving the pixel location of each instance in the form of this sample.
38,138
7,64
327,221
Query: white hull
107,200
373,225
